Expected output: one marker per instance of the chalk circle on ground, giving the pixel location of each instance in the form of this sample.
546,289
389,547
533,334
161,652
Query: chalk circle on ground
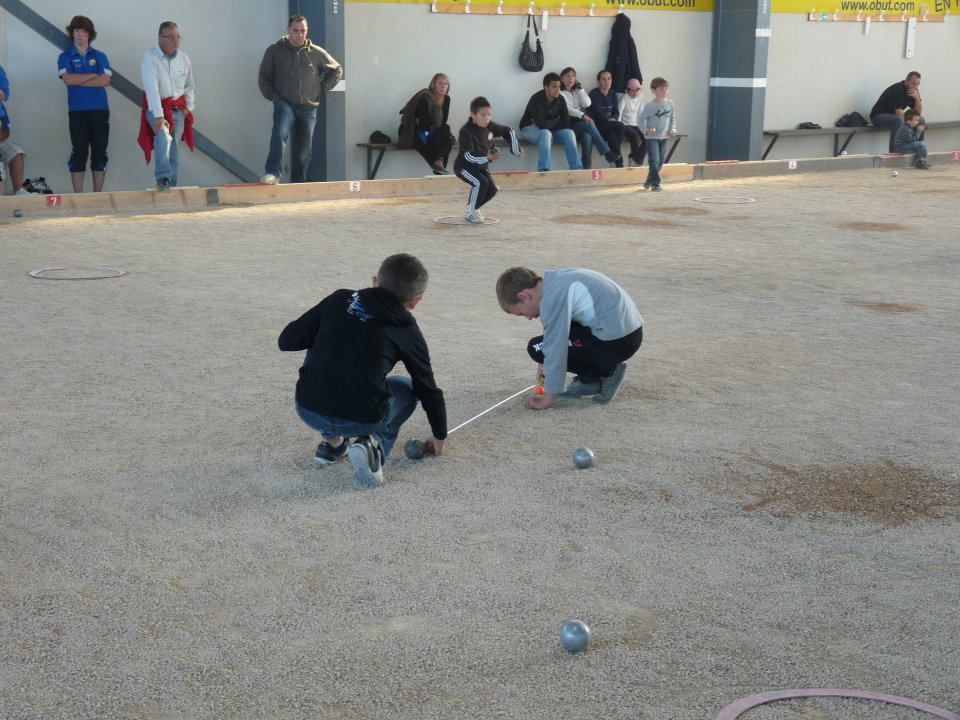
725,200
72,273
457,220
735,709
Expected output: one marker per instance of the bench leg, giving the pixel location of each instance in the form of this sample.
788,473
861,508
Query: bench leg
773,140
676,141
844,146
374,167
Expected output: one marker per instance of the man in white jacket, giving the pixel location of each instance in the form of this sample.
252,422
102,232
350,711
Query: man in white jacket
168,104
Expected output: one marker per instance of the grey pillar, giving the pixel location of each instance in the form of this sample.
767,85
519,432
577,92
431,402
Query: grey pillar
738,79
326,29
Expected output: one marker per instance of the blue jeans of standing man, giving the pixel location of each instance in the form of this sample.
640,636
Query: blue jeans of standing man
588,134
893,123
544,139
656,150
165,145
402,404
301,120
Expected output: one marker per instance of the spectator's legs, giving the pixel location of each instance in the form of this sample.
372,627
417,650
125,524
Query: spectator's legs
15,166
594,133
99,136
891,122
161,151
305,119
80,135
543,140
178,120
569,140
282,124
579,128
613,133
637,149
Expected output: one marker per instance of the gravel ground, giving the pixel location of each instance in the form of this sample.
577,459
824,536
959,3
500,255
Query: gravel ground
775,502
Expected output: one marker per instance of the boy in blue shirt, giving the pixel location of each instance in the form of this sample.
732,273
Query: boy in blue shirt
86,72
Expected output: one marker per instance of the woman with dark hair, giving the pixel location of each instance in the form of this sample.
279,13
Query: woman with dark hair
605,111
578,104
423,124
87,74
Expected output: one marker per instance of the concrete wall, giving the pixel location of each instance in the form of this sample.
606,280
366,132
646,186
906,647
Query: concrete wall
817,71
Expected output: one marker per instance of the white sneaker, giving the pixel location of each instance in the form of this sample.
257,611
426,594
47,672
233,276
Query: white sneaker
23,191
474,217
270,179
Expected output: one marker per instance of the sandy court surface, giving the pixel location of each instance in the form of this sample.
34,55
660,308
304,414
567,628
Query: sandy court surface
775,502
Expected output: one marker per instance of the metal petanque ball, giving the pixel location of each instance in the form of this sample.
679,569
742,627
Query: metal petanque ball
583,458
574,635
18,213
894,173
413,449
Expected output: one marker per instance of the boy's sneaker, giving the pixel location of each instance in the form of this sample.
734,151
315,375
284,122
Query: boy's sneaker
656,188
578,388
922,165
367,461
611,385
270,179
327,454
163,184
474,217
647,185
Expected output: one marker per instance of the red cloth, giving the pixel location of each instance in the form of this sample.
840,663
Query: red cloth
145,138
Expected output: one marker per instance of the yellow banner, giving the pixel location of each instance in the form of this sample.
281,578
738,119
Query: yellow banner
846,7
556,5
910,7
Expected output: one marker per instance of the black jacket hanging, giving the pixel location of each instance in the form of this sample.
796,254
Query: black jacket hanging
622,61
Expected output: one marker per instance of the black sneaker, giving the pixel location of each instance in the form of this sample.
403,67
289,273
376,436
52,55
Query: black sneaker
647,185
611,384
327,454
163,184
367,460
613,157
656,188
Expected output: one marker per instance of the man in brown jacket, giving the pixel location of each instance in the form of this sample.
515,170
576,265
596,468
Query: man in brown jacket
293,73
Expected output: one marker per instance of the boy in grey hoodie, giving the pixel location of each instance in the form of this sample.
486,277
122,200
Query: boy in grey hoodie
658,121
590,327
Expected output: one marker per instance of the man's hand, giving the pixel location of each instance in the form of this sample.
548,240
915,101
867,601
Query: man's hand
914,93
540,402
159,124
434,446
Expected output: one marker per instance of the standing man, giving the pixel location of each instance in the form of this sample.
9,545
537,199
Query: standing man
10,154
293,73
894,101
546,119
168,102
86,73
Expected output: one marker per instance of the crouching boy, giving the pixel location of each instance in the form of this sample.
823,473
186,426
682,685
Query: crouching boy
353,338
590,327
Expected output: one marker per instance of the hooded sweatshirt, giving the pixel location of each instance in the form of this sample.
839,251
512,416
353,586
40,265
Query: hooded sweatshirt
589,298
297,74
355,337
622,61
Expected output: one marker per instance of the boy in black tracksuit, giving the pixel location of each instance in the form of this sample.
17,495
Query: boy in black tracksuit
476,154
353,339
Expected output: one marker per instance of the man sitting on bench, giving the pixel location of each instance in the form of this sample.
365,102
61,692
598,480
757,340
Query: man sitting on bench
894,101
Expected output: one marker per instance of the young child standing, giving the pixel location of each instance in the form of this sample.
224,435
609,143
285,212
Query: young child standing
590,327
658,121
353,338
476,154
907,140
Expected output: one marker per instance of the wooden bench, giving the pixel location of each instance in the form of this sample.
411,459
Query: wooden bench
839,132
375,152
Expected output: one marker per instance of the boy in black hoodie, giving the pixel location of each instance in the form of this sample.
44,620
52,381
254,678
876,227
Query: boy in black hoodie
353,338
476,154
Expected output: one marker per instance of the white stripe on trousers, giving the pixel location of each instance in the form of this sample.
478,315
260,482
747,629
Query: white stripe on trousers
474,191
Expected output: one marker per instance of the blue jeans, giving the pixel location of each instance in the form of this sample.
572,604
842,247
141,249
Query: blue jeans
165,148
588,134
918,149
544,139
656,149
893,123
402,404
301,120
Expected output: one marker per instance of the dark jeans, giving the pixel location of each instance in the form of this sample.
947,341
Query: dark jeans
656,149
613,132
301,121
588,135
590,357
893,123
437,147
638,144
89,134
402,404
482,186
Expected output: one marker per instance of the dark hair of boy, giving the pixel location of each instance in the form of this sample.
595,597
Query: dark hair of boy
658,82
550,78
478,104
80,22
909,114
403,275
511,282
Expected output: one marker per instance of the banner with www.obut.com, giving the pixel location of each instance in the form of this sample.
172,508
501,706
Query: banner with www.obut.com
910,7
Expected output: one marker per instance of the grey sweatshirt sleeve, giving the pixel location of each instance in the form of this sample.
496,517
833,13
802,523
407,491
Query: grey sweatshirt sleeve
555,313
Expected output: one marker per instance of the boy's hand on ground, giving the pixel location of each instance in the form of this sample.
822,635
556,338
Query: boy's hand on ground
540,402
434,446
